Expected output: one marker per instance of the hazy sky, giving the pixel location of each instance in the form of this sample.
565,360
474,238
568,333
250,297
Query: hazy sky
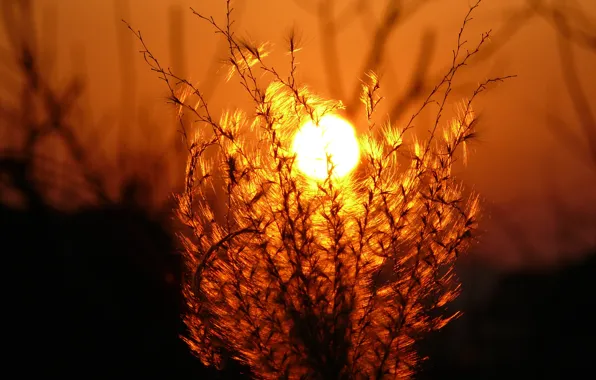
516,159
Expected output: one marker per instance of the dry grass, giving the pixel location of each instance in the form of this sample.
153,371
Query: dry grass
328,279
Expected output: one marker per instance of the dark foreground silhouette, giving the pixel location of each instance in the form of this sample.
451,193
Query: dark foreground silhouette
536,325
96,293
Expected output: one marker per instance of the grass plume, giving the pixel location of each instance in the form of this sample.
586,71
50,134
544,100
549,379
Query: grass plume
330,279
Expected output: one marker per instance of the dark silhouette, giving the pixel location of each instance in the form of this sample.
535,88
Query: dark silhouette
537,324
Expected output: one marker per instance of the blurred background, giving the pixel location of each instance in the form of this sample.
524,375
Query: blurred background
90,156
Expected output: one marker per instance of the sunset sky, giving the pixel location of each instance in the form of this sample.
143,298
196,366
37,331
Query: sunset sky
517,163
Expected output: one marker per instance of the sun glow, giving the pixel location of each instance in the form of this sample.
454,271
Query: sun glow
333,136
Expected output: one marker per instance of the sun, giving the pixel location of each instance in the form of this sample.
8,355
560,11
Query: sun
333,136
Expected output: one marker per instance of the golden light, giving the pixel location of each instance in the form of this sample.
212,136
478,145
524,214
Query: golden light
333,136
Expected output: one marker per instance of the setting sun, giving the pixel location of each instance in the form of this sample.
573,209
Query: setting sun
334,136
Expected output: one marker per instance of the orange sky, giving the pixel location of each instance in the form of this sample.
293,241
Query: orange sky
517,154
